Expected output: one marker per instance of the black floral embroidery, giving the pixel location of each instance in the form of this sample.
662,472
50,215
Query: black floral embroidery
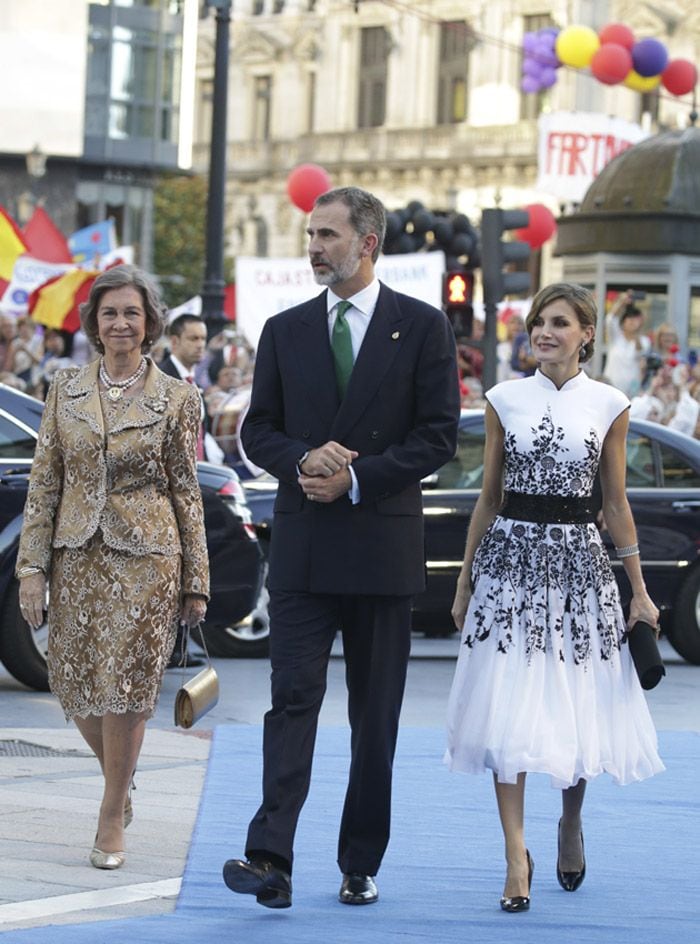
544,469
538,582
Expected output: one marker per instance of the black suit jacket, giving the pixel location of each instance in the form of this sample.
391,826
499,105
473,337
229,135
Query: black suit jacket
167,366
400,413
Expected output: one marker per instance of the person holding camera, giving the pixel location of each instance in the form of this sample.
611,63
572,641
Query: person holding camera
628,347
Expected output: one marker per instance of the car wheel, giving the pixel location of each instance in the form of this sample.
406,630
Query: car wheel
685,632
22,649
248,639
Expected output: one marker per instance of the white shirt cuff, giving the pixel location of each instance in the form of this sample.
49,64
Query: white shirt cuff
354,492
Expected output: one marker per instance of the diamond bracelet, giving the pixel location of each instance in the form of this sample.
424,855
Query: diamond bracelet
630,551
28,571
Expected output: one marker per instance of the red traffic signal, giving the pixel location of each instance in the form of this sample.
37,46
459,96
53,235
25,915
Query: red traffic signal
458,289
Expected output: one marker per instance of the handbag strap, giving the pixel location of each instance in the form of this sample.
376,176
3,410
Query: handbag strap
184,645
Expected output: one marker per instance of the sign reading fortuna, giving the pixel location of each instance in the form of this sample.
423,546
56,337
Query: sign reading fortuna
574,147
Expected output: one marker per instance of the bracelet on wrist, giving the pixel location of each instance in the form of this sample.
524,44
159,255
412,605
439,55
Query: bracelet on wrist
630,551
28,571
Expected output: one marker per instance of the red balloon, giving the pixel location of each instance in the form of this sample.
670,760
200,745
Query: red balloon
679,77
305,183
541,227
617,33
611,63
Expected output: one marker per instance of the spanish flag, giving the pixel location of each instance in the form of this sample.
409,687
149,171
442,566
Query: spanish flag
55,304
12,245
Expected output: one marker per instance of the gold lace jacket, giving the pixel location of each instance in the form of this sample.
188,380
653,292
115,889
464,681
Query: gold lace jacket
137,483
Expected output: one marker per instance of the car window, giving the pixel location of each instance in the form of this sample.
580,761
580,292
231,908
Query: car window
466,470
640,462
677,471
15,442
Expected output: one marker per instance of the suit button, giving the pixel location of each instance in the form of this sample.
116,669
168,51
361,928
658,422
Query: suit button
306,434
374,434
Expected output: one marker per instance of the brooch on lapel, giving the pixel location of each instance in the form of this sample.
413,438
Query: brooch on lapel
395,336
157,403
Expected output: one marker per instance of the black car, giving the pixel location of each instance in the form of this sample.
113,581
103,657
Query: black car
235,557
663,486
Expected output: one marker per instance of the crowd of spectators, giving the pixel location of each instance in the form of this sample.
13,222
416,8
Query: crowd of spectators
30,355
647,365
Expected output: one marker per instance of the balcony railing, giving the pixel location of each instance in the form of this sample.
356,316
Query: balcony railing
402,147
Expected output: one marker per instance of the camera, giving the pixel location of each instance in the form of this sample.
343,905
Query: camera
654,362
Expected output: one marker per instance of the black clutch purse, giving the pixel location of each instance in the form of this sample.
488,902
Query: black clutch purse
645,654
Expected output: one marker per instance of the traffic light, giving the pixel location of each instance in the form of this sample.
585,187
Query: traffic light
457,291
496,253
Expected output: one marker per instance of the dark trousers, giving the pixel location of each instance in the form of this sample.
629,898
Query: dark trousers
376,641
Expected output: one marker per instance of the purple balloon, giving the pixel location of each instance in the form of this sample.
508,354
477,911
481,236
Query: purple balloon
649,57
529,41
531,67
529,84
548,77
545,55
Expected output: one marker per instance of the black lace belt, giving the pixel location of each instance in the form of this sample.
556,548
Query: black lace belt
553,509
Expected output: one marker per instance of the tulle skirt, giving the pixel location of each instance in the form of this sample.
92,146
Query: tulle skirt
544,680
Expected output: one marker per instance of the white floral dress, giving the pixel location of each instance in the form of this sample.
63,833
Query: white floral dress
544,680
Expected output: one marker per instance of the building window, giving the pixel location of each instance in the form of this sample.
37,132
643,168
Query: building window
531,103
205,109
374,52
455,44
649,105
262,104
258,7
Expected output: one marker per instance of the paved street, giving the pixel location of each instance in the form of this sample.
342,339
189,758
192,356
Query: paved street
49,799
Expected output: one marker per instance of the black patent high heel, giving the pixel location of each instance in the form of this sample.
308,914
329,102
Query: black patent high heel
570,881
520,902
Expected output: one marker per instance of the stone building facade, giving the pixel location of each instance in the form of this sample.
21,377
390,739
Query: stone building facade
415,101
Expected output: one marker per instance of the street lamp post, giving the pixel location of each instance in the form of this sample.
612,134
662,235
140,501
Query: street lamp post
213,285
35,163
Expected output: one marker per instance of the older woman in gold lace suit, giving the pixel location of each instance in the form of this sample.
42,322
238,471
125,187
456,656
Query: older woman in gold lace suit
114,524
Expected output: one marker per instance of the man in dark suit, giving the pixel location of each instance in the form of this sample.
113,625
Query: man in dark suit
187,336
355,399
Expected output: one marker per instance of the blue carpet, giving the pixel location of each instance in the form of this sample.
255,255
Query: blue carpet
443,873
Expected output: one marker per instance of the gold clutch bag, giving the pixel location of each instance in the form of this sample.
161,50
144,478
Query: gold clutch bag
199,695
196,697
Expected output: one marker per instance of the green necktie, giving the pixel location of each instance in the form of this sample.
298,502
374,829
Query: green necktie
341,342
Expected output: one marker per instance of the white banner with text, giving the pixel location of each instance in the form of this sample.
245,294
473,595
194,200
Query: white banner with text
265,287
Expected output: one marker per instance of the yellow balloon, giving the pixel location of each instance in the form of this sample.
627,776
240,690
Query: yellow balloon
576,46
641,83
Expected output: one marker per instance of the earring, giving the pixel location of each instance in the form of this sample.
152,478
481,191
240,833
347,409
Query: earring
582,352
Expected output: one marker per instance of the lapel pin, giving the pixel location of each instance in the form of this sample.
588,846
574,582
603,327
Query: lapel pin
395,336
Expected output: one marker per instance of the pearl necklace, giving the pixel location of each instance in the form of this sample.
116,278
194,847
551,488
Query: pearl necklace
115,388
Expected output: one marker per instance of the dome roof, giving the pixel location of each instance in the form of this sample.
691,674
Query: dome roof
647,199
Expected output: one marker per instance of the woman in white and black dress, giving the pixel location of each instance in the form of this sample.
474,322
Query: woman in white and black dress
544,681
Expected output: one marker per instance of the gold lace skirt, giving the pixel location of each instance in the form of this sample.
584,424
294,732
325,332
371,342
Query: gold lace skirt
112,626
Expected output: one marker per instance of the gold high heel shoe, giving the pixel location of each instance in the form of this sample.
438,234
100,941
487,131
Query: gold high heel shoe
106,860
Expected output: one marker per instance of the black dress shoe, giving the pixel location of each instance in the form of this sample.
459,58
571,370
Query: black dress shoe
358,889
520,902
570,881
271,886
